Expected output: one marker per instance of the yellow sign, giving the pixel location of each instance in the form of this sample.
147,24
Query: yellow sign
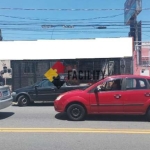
51,73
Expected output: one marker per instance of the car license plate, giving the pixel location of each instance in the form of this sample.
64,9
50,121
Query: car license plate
5,93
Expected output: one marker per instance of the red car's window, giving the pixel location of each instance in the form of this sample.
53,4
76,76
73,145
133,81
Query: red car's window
148,80
136,83
111,85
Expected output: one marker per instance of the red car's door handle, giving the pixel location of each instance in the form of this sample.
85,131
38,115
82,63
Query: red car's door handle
147,94
117,96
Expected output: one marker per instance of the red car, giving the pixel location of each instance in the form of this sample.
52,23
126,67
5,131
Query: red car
120,94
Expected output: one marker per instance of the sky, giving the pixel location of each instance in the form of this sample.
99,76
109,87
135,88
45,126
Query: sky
28,24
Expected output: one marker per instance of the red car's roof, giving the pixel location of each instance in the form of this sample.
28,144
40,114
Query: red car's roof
117,76
129,75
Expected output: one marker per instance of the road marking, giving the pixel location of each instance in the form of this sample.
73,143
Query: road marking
75,130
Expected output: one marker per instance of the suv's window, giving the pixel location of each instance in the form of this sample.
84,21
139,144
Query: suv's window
135,83
46,83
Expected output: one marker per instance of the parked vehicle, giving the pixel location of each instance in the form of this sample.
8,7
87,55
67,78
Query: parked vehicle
5,97
41,91
120,94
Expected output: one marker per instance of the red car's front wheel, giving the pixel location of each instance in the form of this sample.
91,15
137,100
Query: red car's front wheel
76,112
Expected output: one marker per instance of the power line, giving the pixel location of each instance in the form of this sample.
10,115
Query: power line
146,34
4,22
77,30
63,24
57,20
72,25
28,18
51,25
64,27
69,9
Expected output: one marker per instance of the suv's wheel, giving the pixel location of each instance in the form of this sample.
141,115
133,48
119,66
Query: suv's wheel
23,100
148,114
76,112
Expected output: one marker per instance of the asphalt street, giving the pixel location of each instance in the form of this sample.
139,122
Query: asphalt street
40,127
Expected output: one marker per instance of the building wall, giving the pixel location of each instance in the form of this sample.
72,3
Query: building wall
64,49
144,68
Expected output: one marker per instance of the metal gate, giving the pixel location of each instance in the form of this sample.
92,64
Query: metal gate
27,72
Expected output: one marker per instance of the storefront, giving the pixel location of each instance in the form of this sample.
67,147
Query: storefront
27,72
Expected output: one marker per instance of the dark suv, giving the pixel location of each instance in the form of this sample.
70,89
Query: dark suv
41,91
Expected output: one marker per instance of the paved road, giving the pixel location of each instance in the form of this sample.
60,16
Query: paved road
40,127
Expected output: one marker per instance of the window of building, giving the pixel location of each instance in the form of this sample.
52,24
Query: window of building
145,61
28,67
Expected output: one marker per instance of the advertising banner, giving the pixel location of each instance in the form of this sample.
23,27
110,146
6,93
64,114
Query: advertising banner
131,8
67,49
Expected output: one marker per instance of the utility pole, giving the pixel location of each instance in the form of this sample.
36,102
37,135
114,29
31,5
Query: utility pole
132,9
1,38
138,39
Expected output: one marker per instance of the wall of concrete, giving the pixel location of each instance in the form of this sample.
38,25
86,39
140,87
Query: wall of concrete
141,69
